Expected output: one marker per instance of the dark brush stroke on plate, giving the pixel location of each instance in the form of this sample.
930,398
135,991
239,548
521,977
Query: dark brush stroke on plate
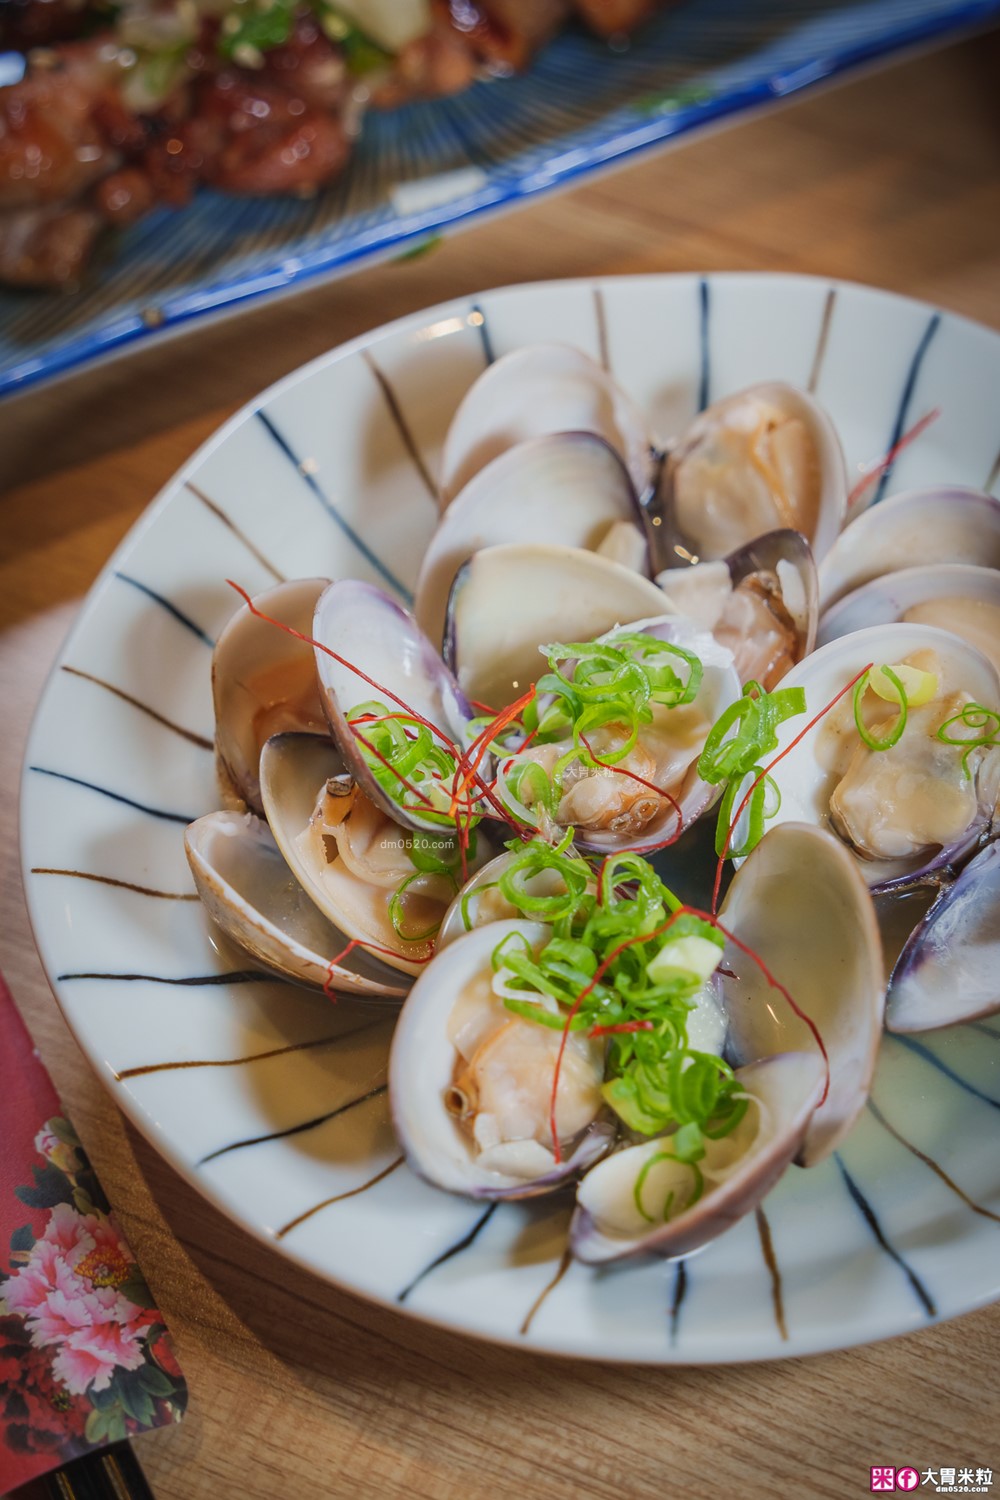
300,1129
774,1271
601,318
279,1234
478,320
829,303
902,413
977,1208
121,885
565,1261
331,510
103,791
870,1217
704,315
451,1252
680,1291
201,740
169,606
240,535
942,1067
235,1062
994,474
402,425
187,981
985,1030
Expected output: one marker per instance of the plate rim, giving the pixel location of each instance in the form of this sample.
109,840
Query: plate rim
142,1118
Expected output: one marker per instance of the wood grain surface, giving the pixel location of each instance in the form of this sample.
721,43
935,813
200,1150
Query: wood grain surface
301,1390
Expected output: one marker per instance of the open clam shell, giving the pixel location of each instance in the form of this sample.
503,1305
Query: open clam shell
264,681
945,524
509,600
740,1169
422,1066
567,488
800,905
382,655
953,596
543,388
295,770
764,458
808,773
761,602
481,901
247,888
949,970
687,796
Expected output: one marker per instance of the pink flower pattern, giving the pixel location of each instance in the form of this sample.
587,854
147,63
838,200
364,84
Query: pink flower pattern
68,1293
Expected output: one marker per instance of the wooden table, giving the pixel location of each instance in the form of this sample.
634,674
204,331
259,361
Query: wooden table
298,1389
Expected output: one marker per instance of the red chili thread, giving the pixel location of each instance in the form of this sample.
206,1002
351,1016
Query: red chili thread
621,1026
319,646
883,463
720,864
606,963
371,948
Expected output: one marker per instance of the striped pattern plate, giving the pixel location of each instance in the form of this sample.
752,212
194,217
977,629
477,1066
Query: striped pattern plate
423,169
272,1101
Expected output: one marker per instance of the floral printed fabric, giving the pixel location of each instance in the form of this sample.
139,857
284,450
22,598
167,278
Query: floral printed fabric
85,1358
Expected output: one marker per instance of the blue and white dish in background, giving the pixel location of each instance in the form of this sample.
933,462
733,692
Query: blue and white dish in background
271,1100
424,169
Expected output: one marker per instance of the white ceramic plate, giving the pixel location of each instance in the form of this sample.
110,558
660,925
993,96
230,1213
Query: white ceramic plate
270,1100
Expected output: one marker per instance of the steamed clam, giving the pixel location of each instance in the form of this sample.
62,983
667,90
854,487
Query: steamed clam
385,886
570,489
646,1200
901,783
264,681
540,389
568,1019
763,459
946,524
760,603
248,889
959,597
472,1084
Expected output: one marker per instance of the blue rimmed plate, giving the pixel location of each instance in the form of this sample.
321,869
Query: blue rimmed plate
423,169
270,1100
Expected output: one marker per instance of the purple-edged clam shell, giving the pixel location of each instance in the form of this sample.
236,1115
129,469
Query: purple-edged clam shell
421,1070
607,1225
944,524
954,596
800,905
949,970
569,488
537,389
248,889
373,635
805,776
264,681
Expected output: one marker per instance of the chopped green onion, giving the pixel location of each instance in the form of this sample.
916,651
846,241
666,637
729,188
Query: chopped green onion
654,1079
408,764
893,735
739,739
397,915
985,726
